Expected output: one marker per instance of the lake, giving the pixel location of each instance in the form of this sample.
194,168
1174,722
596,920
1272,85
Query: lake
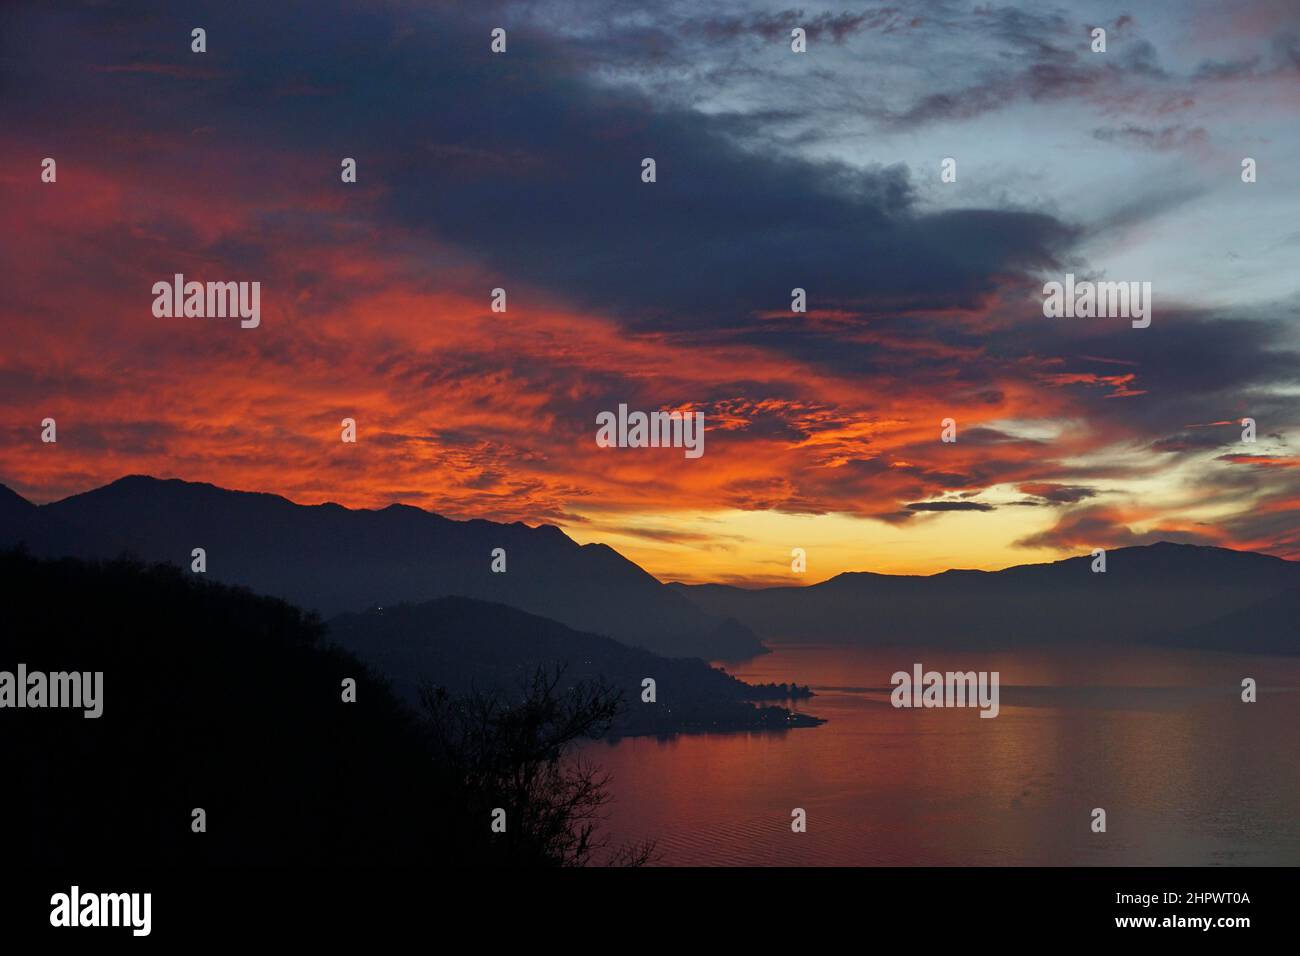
1187,773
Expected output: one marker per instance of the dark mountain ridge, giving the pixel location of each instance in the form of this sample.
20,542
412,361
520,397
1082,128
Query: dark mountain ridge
334,559
1163,593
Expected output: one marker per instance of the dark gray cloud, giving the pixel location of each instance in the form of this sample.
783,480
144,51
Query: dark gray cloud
1194,441
1050,492
950,506
520,162
777,26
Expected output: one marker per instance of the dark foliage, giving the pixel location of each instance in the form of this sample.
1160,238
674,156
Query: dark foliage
221,699
513,754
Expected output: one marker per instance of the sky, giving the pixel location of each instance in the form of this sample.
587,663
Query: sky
775,170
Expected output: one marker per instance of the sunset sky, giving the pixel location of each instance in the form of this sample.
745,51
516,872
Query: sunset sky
775,170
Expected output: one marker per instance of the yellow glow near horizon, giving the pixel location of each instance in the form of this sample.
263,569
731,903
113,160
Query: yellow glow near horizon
754,546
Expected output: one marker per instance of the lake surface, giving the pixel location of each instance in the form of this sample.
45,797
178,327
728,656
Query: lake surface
1188,774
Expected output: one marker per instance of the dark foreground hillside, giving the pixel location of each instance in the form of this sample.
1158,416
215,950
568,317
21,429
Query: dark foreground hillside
218,699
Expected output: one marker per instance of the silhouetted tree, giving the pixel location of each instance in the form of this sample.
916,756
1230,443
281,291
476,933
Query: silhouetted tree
516,754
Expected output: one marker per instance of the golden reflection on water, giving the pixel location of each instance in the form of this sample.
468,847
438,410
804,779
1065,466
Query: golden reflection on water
1187,773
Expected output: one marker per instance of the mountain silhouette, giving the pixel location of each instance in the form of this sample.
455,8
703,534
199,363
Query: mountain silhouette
337,560
334,559
465,645
40,532
1163,593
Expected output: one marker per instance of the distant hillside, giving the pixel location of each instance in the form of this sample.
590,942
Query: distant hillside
467,645
1271,626
333,559
40,532
1162,593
